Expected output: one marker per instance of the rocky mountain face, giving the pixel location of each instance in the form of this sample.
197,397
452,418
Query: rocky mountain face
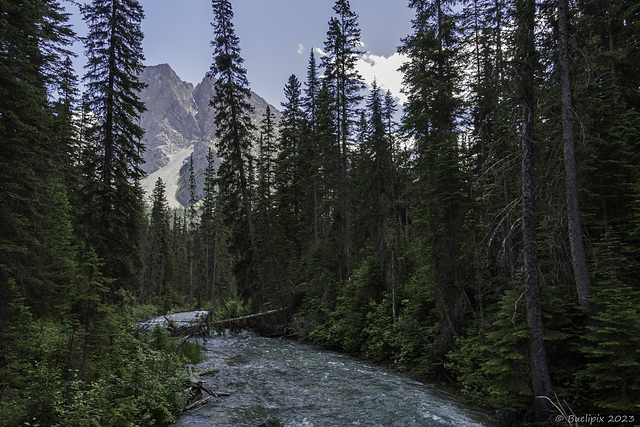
179,122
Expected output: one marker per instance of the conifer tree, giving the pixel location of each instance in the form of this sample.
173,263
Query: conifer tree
269,233
292,166
234,133
158,263
345,83
373,173
192,225
612,344
309,151
266,164
440,200
113,209
212,230
311,92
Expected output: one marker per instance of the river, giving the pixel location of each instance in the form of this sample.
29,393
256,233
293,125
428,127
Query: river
301,385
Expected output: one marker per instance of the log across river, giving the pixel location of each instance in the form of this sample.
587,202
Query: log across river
301,385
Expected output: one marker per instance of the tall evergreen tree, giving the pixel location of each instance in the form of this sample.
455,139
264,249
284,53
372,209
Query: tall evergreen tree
309,151
272,255
33,38
214,234
312,88
192,225
158,262
373,174
431,80
342,47
113,207
292,168
234,132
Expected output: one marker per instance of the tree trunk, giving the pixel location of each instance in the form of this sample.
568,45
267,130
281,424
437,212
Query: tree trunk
578,257
540,379
214,272
191,279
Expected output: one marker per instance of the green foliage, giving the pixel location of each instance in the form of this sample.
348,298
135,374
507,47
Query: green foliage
232,308
420,323
465,362
612,344
348,319
506,363
380,332
131,383
110,195
182,193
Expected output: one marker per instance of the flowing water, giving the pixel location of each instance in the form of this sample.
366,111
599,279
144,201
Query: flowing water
301,385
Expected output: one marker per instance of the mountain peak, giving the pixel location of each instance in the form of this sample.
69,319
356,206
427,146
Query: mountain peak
178,116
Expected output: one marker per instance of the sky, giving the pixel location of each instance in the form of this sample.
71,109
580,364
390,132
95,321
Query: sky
276,38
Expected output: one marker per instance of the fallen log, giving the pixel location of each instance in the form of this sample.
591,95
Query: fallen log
250,316
196,404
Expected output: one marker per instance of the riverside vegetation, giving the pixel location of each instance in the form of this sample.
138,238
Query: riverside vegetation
490,237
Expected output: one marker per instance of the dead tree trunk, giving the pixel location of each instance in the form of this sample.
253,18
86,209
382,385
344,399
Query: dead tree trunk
540,378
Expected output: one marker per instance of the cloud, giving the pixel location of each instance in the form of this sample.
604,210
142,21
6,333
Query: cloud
300,48
385,71
319,52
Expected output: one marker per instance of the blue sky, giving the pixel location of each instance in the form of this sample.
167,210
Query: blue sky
276,37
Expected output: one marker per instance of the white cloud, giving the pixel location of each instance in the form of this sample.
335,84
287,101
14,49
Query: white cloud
320,52
300,48
385,71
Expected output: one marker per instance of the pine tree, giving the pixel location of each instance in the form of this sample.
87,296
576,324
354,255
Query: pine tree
272,255
293,166
113,197
192,225
311,92
209,226
234,133
214,234
373,174
309,152
612,344
158,263
341,45
440,200
32,38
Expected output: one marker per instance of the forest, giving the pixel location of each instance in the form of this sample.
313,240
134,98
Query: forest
489,237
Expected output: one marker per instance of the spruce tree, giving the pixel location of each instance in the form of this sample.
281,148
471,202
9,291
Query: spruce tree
440,200
28,154
158,260
292,180
345,84
372,175
270,236
312,88
309,151
214,234
192,225
612,343
113,208
234,133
